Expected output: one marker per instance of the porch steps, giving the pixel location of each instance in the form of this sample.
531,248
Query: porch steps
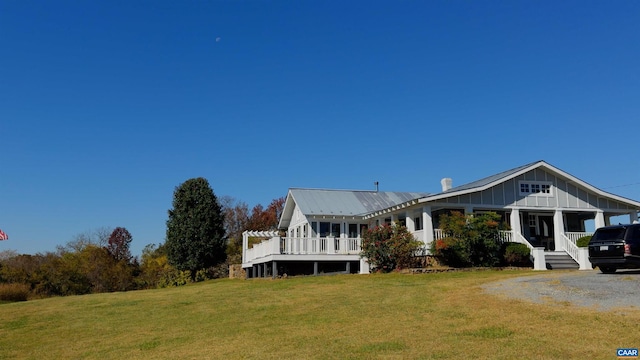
560,261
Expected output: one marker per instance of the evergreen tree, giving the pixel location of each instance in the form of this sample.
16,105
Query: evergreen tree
195,228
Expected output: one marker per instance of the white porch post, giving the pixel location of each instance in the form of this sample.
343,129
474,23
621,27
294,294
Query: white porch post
393,219
599,221
633,217
427,227
411,226
514,221
245,245
558,229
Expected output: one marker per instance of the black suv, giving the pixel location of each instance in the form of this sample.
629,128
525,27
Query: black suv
615,247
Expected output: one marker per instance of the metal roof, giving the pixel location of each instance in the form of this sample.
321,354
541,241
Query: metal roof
489,179
348,202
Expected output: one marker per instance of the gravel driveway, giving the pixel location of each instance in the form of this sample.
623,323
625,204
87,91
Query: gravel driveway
588,288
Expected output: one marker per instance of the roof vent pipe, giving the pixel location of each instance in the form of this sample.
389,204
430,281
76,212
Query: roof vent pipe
446,184
376,184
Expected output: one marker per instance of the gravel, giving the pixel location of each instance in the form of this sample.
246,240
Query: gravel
588,288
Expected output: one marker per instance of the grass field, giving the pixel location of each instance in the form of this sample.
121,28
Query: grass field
430,316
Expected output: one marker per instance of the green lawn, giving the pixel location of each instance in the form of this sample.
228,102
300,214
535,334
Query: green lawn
425,316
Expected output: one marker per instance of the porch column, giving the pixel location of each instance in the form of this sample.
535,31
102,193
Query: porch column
427,225
393,219
514,221
558,229
633,217
315,268
275,269
245,245
599,221
411,226
348,268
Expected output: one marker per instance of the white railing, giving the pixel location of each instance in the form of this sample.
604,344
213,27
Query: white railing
574,236
570,247
505,236
522,240
303,246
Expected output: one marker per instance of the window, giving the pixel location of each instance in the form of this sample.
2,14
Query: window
538,188
353,230
335,230
418,223
324,229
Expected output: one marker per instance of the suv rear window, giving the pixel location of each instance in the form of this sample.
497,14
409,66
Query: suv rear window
609,234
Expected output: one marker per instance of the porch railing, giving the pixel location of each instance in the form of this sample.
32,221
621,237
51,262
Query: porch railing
303,246
575,235
504,235
519,238
570,247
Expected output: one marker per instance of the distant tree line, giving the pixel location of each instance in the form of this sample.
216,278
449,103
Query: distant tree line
204,236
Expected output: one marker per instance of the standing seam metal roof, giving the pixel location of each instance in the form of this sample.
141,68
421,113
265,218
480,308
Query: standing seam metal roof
348,202
489,179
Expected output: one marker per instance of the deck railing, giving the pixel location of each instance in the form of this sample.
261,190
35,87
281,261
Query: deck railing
303,246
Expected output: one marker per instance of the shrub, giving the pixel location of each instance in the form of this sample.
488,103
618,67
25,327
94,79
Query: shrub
14,292
583,241
516,254
389,247
471,240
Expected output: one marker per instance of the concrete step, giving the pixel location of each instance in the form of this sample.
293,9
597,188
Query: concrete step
560,261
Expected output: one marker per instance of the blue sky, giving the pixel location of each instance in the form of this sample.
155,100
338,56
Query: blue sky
106,107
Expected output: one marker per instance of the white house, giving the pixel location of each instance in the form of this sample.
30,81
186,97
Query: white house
545,207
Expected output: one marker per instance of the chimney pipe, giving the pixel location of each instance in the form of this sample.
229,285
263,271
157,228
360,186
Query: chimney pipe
376,184
446,183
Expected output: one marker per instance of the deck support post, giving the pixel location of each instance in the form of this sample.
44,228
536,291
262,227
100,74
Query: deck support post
348,268
315,268
275,269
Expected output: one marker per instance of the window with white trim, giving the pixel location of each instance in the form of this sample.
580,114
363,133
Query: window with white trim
538,188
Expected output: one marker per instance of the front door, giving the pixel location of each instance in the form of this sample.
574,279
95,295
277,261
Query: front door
541,228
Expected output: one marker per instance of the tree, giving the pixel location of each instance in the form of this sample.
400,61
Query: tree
195,228
97,237
236,220
118,244
389,247
268,218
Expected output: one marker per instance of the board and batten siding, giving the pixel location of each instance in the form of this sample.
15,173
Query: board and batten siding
297,218
564,194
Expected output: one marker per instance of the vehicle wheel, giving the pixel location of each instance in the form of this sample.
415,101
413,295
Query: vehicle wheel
608,270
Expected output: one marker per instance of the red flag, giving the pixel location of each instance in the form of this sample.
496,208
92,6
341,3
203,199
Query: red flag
3,235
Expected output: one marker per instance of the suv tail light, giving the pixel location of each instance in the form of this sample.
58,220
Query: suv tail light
627,249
